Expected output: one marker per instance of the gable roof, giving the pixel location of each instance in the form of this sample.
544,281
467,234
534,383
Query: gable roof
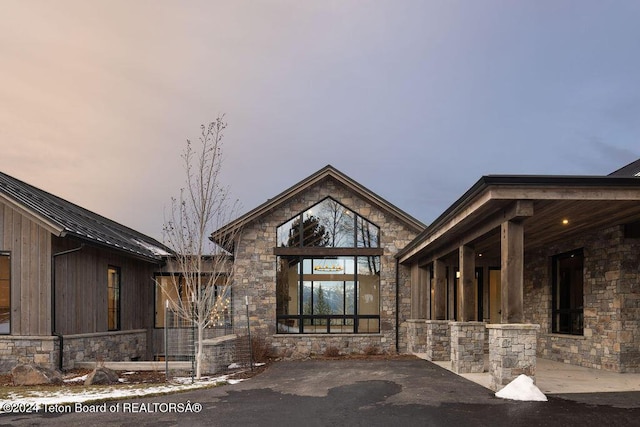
328,172
490,191
632,169
63,218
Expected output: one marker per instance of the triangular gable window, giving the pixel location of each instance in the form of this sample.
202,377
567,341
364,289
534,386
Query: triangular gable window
328,224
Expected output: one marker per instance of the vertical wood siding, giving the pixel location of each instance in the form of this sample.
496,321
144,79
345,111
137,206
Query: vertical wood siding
81,289
30,248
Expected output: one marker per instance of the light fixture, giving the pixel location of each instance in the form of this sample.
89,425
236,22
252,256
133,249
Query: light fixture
327,267
565,221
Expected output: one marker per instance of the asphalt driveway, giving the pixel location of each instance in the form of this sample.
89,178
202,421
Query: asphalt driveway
352,393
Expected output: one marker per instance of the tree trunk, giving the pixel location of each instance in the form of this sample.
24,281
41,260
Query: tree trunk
199,354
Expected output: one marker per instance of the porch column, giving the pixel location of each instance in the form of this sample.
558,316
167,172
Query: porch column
439,290
438,335
512,282
466,284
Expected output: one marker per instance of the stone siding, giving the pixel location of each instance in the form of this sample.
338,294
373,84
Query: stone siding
305,345
467,347
219,353
416,336
438,340
111,346
255,274
512,352
41,350
612,301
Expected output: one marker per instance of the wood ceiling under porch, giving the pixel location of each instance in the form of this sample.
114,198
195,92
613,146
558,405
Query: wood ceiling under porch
501,218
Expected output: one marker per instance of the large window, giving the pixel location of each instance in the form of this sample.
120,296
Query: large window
113,298
568,299
328,277
172,287
328,224
5,293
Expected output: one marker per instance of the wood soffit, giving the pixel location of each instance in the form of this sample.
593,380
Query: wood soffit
586,203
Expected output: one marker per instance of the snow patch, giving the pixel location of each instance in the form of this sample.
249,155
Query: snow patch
522,388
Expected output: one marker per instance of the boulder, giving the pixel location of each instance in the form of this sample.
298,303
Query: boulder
101,376
30,374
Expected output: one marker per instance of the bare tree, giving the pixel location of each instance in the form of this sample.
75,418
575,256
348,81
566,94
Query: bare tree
199,289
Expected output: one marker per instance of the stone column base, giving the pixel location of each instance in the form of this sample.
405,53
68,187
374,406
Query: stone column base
438,340
416,336
467,347
512,351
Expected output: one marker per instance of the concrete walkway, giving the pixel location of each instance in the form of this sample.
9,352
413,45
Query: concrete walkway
560,378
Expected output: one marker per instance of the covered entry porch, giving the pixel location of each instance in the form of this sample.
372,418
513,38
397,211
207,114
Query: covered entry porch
527,266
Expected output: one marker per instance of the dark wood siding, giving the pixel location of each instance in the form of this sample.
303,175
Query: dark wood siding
30,247
81,289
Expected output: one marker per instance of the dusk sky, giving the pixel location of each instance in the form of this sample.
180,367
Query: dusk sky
415,100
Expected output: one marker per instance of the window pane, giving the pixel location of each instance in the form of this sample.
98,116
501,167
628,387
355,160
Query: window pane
113,298
367,234
5,294
568,294
338,223
288,234
368,285
287,285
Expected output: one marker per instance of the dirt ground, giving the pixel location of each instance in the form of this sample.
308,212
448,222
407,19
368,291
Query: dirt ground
130,377
158,377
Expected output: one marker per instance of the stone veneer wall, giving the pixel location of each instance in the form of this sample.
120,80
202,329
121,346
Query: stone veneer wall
416,336
41,350
112,346
255,276
611,339
467,347
302,346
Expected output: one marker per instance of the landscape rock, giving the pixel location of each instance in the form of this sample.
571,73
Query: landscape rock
101,376
30,374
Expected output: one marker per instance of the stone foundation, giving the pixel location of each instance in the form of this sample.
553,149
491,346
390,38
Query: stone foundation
305,345
111,346
467,347
438,340
512,351
416,336
218,353
41,350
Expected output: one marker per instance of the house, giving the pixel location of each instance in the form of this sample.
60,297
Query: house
550,264
522,266
317,266
73,280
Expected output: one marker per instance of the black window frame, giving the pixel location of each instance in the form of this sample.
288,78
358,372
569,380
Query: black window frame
567,317
114,313
298,251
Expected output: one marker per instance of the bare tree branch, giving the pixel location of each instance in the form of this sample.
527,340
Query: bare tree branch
202,271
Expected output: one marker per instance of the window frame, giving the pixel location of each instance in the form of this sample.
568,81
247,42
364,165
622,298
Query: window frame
575,313
8,255
114,311
298,253
228,323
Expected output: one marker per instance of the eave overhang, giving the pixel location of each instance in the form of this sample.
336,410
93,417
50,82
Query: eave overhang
496,198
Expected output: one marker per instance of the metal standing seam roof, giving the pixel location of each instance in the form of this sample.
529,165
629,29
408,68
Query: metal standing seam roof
79,222
632,169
